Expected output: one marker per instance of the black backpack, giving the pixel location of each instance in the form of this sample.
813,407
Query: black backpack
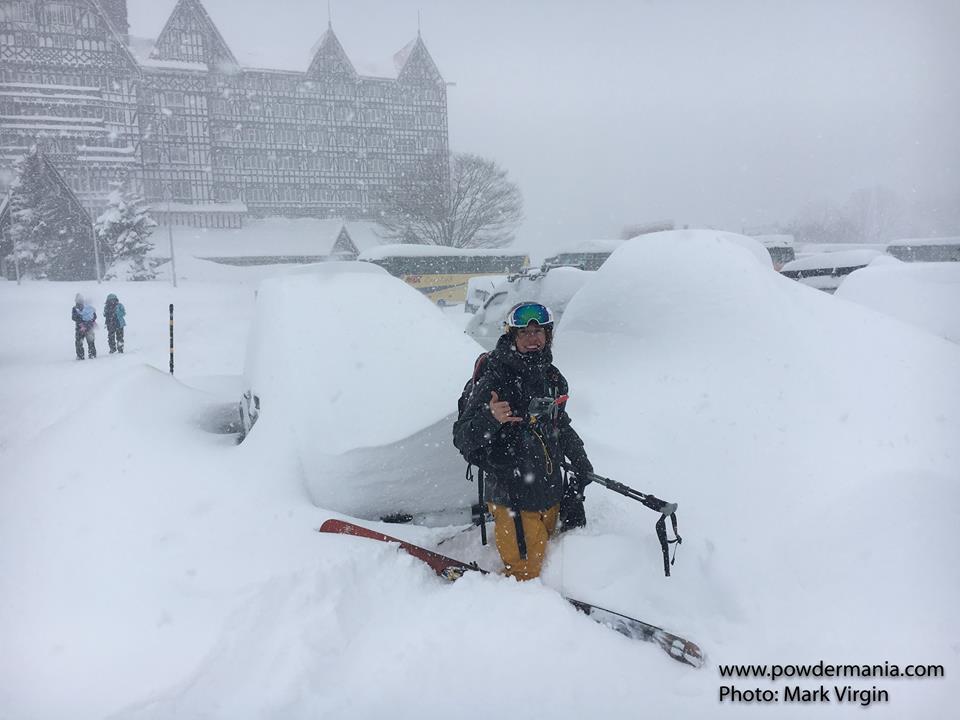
476,457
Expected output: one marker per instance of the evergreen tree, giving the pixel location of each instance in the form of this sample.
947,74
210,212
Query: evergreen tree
124,229
50,231
29,227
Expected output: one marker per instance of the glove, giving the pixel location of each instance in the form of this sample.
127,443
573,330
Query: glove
572,513
580,477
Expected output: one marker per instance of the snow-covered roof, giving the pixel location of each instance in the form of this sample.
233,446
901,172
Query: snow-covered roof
262,237
954,240
365,234
387,68
846,258
775,240
384,251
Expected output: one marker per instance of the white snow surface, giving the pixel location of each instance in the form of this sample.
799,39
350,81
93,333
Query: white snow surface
331,349
152,568
923,294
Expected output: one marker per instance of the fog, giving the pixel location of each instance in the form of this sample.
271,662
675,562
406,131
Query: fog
732,115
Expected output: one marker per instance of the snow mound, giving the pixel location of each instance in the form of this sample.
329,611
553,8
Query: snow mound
769,411
357,374
925,295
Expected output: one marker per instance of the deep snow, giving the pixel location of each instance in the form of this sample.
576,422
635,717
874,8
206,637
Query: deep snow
151,568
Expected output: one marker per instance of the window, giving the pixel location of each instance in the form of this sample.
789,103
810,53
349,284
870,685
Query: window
15,11
227,193
176,125
89,21
178,154
61,15
258,193
173,99
290,193
181,190
191,45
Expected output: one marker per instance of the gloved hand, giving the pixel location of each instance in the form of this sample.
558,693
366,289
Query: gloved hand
580,477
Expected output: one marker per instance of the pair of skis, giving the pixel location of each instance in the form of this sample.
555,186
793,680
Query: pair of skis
675,646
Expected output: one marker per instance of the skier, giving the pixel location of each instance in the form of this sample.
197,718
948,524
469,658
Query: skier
524,443
84,318
115,316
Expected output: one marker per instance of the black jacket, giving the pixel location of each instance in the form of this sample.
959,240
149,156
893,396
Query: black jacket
522,460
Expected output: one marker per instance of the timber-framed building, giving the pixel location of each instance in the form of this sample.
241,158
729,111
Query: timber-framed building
209,140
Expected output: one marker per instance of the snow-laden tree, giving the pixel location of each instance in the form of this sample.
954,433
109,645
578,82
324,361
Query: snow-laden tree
124,230
460,200
30,225
51,235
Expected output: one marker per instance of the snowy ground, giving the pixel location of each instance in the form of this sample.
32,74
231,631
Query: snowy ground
151,568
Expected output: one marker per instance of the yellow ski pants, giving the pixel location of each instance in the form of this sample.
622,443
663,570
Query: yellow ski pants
538,526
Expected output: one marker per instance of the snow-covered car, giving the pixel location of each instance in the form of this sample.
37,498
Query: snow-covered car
553,287
479,290
825,271
355,375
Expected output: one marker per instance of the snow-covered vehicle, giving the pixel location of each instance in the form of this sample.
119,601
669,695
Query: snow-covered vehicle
479,290
553,287
825,271
355,375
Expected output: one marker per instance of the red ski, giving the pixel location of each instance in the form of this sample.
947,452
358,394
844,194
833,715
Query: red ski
675,646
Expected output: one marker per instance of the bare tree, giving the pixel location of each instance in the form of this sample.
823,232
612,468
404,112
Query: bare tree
876,213
822,222
461,201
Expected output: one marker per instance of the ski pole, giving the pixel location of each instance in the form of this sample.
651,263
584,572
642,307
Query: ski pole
651,501
654,503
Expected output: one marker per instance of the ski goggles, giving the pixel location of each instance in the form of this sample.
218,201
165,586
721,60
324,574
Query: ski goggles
525,313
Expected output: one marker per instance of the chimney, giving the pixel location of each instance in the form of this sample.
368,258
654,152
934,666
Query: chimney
116,12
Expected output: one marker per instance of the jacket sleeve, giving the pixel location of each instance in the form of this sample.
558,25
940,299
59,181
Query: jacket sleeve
573,448
476,430
570,441
74,315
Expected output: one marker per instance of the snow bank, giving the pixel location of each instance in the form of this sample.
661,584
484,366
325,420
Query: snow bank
926,295
151,569
794,430
345,357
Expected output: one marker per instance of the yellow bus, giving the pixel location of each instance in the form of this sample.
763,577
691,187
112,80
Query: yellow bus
442,273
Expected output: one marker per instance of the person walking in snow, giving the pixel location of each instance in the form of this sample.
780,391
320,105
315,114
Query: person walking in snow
114,314
517,419
84,318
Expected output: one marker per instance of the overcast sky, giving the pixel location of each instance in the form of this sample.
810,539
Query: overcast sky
726,114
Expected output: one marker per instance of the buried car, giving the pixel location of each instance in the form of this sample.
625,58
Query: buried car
553,287
826,270
355,374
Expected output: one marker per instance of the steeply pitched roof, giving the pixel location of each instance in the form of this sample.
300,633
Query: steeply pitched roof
117,37
191,15
418,65
330,57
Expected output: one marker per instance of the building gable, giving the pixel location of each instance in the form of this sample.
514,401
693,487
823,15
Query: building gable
329,57
190,36
344,248
419,66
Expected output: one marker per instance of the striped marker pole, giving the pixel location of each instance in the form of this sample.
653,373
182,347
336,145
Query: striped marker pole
171,338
